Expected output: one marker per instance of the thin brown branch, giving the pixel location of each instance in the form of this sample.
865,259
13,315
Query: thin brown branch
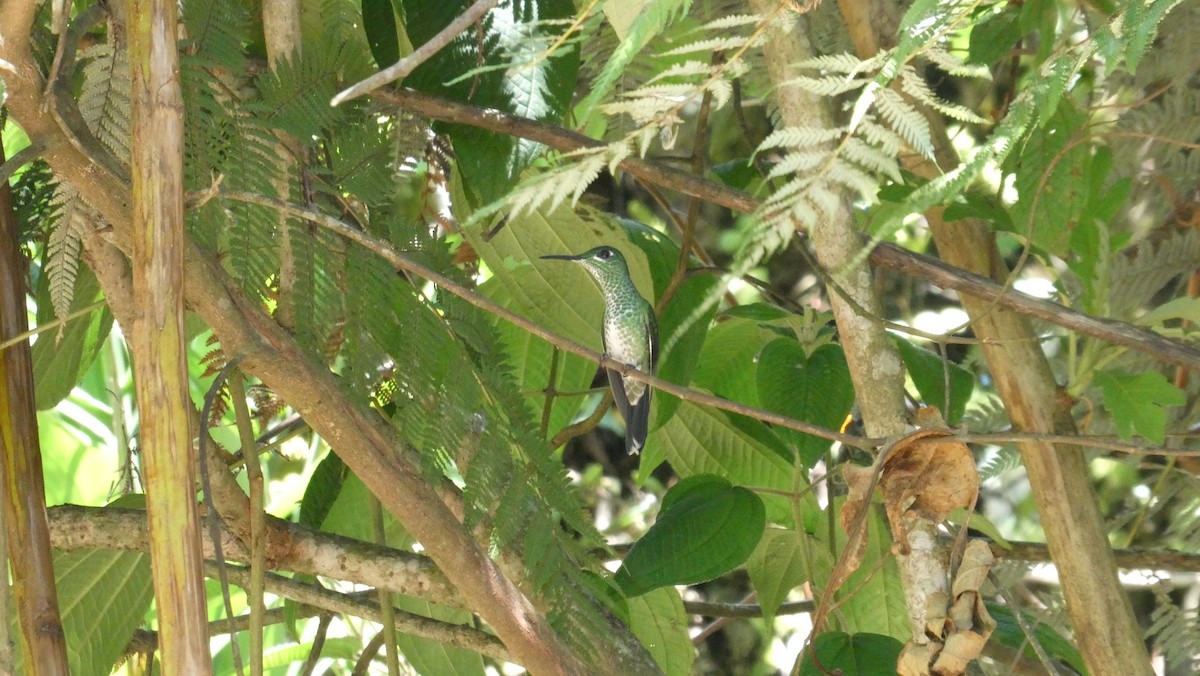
420,55
24,156
460,636
884,255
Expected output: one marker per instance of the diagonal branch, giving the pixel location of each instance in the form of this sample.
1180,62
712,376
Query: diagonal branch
422,54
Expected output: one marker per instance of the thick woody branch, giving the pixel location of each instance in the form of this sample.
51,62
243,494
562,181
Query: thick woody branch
289,547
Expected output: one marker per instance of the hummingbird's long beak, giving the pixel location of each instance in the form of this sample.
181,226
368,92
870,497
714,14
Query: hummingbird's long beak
562,257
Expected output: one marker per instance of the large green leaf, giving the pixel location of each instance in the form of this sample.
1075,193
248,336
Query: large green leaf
103,596
379,23
322,491
430,657
702,440
350,516
727,365
1010,633
506,73
776,568
530,358
658,620
852,654
60,360
814,388
709,528
929,373
1137,402
1049,180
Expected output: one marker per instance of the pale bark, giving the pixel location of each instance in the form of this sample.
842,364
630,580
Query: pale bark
157,338
874,362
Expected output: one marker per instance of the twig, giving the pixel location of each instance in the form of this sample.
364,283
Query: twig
420,55
19,159
212,516
362,606
258,520
744,610
42,328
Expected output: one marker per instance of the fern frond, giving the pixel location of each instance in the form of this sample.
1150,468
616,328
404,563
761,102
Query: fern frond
64,248
104,97
552,188
954,66
906,120
797,162
731,21
800,137
709,45
872,158
914,85
841,63
833,85
1175,631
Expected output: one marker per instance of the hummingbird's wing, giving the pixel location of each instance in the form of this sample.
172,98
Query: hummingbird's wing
633,397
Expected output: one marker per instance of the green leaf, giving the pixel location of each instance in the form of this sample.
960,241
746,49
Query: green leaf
872,598
776,568
740,173
379,23
430,657
816,389
852,654
530,358
701,440
658,620
727,365
1009,633
59,364
706,532
993,38
349,516
322,491
103,596
929,373
1184,307
1137,402
505,72
1051,182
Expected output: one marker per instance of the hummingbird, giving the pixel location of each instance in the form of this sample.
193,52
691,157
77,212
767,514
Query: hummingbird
630,336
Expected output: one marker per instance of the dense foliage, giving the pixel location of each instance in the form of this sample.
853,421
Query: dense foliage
387,236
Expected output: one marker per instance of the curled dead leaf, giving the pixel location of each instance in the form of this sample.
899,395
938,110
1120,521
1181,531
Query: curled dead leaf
927,476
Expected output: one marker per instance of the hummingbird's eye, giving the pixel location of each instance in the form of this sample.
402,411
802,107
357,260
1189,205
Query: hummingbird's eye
604,254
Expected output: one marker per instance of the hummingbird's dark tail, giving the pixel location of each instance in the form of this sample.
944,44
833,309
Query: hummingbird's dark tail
636,414
637,424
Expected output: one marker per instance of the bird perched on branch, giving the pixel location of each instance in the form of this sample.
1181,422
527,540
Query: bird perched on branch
630,336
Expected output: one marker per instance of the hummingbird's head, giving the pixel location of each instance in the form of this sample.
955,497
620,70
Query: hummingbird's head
603,262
